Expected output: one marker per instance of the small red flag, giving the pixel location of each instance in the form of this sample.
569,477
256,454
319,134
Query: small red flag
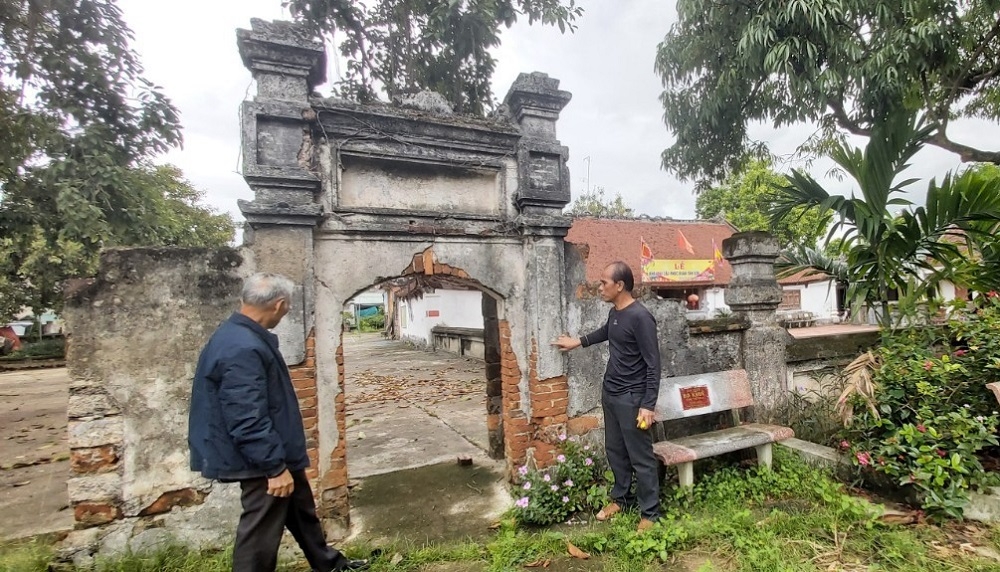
646,254
682,242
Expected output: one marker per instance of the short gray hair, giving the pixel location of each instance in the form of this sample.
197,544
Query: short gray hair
262,289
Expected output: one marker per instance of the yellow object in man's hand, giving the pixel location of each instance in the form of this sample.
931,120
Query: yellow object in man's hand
641,423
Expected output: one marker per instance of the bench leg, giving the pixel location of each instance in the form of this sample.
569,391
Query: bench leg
685,472
764,455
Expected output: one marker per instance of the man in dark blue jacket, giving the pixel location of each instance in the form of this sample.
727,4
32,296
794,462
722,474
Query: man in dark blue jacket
245,426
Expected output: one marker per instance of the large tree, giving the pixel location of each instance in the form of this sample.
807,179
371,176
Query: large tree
890,245
78,128
404,46
841,64
164,209
745,200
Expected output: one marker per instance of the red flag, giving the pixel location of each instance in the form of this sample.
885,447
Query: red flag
682,242
645,253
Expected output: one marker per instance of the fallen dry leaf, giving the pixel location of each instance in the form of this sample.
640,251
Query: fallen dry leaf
544,563
576,552
899,518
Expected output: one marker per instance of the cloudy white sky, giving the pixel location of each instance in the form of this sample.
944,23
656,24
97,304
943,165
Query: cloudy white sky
613,125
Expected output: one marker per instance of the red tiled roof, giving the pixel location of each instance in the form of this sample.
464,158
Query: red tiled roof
610,240
804,277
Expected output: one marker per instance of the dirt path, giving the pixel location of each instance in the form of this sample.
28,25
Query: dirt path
34,455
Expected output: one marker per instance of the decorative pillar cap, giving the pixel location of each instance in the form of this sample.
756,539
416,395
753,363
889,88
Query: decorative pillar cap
536,96
751,244
281,48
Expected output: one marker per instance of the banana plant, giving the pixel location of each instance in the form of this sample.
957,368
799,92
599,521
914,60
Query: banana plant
890,244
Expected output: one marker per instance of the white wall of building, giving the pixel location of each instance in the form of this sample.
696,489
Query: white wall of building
820,298
947,290
714,301
454,308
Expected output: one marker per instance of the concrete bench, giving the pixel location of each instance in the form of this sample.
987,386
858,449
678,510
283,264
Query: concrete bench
688,396
797,319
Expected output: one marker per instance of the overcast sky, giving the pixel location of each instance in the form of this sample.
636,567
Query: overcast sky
189,48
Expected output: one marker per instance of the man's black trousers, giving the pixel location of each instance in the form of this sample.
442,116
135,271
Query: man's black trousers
630,451
263,522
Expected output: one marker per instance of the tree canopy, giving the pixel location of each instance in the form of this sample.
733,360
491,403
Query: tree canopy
411,45
746,198
842,64
165,211
595,204
80,126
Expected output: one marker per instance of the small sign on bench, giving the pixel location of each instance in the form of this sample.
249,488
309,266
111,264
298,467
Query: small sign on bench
694,397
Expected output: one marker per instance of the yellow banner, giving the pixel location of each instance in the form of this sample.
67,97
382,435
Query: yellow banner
678,271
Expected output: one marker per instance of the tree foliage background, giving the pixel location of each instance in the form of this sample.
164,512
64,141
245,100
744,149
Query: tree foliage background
79,127
594,203
841,64
745,199
404,46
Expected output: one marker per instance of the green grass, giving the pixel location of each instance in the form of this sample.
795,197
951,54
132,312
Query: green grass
25,556
792,519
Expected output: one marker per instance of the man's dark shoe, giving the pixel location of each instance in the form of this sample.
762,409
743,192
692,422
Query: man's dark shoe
357,565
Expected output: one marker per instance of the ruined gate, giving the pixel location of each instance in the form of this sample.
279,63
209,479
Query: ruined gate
349,196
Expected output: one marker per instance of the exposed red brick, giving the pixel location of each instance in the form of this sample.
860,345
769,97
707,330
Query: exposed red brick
305,393
95,514
581,425
167,501
94,459
429,262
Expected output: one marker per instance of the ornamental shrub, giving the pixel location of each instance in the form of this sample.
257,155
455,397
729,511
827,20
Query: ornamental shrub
575,482
931,415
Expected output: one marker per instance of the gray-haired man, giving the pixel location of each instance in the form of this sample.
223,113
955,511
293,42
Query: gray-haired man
245,426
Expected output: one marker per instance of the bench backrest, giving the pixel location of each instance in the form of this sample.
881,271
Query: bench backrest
692,395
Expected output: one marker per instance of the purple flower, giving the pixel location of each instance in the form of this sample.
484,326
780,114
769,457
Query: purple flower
522,502
561,458
565,499
864,459
554,488
562,436
568,483
527,486
586,447
588,461
523,470
546,477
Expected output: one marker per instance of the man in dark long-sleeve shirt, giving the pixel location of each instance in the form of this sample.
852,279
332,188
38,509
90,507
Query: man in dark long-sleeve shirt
631,385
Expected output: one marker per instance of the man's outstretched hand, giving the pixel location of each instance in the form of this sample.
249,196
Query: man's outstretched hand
566,343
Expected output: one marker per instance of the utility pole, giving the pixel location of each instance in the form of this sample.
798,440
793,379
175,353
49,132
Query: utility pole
587,159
